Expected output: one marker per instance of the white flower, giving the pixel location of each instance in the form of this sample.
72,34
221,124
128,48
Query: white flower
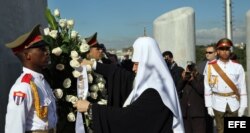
56,13
100,79
76,74
88,67
58,93
93,95
74,54
72,99
102,102
79,38
53,34
68,97
74,63
70,23
90,78
46,31
84,47
74,34
60,67
94,88
71,117
84,41
67,83
63,23
57,51
101,86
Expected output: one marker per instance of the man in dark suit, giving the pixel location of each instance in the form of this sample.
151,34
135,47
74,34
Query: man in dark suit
107,57
175,70
211,55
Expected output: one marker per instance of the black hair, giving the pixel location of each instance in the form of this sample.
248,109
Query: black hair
167,53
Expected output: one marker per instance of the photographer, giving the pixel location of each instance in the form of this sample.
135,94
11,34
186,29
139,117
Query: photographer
192,100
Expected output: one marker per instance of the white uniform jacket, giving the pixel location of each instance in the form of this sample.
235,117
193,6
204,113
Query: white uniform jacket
21,115
236,73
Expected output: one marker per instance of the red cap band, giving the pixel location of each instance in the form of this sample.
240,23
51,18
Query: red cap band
27,43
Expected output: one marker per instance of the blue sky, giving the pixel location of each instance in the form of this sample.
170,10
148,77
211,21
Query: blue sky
120,22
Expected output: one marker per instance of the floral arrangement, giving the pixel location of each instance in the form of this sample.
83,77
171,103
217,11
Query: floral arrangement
67,49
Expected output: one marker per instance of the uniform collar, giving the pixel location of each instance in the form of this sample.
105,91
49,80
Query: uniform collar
223,62
33,73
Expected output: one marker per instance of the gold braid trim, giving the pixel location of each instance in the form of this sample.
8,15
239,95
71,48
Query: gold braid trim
211,81
42,112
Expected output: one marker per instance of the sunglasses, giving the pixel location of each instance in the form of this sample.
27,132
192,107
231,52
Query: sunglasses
209,52
224,48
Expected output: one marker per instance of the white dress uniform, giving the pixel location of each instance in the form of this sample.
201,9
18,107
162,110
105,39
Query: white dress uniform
236,73
21,115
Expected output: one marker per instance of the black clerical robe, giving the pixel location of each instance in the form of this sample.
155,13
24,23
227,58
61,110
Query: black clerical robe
119,83
147,114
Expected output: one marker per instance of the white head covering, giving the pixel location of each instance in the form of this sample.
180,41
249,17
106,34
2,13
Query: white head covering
153,73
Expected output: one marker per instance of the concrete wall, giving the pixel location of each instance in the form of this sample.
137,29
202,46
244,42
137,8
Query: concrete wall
248,57
17,17
175,31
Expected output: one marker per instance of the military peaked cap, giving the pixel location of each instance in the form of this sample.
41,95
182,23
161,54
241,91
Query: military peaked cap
224,42
92,40
27,40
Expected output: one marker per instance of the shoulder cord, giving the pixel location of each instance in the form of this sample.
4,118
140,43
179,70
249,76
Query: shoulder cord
211,81
42,112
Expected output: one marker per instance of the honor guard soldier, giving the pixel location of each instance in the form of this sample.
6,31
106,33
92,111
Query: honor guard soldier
225,86
31,106
95,51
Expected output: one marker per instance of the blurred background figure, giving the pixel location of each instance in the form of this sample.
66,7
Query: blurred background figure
107,57
95,51
234,57
175,70
127,63
211,56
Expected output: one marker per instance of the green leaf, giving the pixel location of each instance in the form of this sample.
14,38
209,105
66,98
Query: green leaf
50,41
51,19
65,49
66,40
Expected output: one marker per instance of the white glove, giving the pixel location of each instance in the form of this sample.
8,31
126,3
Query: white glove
241,111
210,111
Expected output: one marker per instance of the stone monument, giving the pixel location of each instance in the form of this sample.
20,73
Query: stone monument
175,32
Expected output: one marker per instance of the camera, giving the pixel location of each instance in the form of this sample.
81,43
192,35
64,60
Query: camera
191,66
188,75
190,69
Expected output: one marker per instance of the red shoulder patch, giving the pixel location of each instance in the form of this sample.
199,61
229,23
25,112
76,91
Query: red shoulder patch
212,62
26,78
